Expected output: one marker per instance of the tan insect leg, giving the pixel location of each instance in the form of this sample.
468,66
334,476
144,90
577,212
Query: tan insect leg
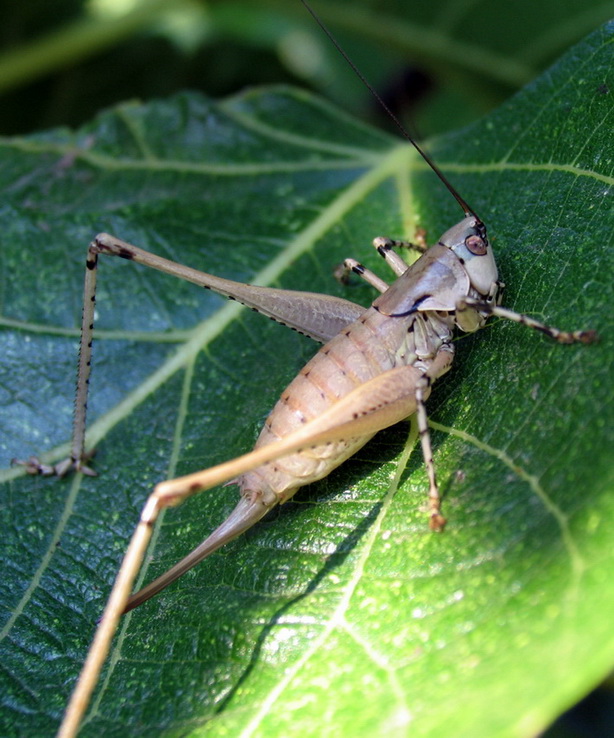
501,312
318,316
116,604
105,631
436,519
351,265
78,457
385,248
377,404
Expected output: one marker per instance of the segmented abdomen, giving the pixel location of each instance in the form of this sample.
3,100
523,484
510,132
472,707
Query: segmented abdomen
371,345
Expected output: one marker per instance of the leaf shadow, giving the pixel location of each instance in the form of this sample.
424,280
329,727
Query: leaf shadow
334,561
392,439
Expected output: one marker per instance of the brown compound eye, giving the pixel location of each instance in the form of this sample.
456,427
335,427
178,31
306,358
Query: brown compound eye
476,245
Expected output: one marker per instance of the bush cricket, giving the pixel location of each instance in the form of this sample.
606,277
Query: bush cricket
376,368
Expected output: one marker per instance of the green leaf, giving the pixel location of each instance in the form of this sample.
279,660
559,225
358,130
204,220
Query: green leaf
443,63
340,613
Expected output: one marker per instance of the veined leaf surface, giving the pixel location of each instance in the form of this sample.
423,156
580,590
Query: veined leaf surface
340,614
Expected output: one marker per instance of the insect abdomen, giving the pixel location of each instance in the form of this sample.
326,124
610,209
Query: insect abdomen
354,356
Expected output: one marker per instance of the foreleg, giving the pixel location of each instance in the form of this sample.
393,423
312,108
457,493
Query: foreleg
486,308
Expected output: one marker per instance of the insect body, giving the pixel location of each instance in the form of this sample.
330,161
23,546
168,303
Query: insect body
374,372
376,367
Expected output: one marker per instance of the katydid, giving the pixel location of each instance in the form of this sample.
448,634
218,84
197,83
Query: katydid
376,368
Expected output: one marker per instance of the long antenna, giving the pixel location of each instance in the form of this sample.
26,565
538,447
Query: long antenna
467,210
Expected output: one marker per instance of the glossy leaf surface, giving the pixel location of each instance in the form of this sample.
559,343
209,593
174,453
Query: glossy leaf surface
340,613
